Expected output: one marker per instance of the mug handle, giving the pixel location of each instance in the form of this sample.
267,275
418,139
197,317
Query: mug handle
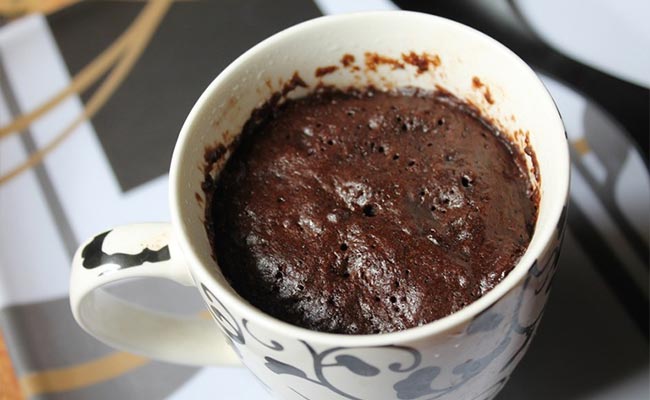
140,251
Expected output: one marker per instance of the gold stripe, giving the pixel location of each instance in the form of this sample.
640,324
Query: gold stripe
82,81
80,375
15,8
86,77
9,389
581,146
151,17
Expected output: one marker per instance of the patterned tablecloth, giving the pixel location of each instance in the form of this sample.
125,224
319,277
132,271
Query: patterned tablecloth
112,169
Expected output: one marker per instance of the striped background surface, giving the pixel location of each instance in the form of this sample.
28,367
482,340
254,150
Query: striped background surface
112,169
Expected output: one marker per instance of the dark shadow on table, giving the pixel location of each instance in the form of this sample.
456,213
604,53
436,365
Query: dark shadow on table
585,342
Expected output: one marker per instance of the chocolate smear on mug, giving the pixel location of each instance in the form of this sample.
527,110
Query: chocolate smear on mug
422,61
477,84
373,60
322,71
347,60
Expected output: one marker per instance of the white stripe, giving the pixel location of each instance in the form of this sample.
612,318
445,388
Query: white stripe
632,194
595,167
32,257
224,379
331,7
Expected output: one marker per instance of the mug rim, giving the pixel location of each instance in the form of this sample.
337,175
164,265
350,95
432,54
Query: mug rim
244,308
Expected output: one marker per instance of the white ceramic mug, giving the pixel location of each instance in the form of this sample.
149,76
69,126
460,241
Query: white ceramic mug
467,355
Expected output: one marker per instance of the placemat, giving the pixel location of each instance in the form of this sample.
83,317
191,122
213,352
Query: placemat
64,177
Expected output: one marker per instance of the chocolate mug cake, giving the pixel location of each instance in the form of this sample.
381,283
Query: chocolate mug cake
367,211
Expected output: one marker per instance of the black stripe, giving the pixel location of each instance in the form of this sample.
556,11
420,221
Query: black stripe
608,266
192,44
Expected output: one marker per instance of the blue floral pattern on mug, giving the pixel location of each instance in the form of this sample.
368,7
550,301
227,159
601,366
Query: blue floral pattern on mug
508,322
